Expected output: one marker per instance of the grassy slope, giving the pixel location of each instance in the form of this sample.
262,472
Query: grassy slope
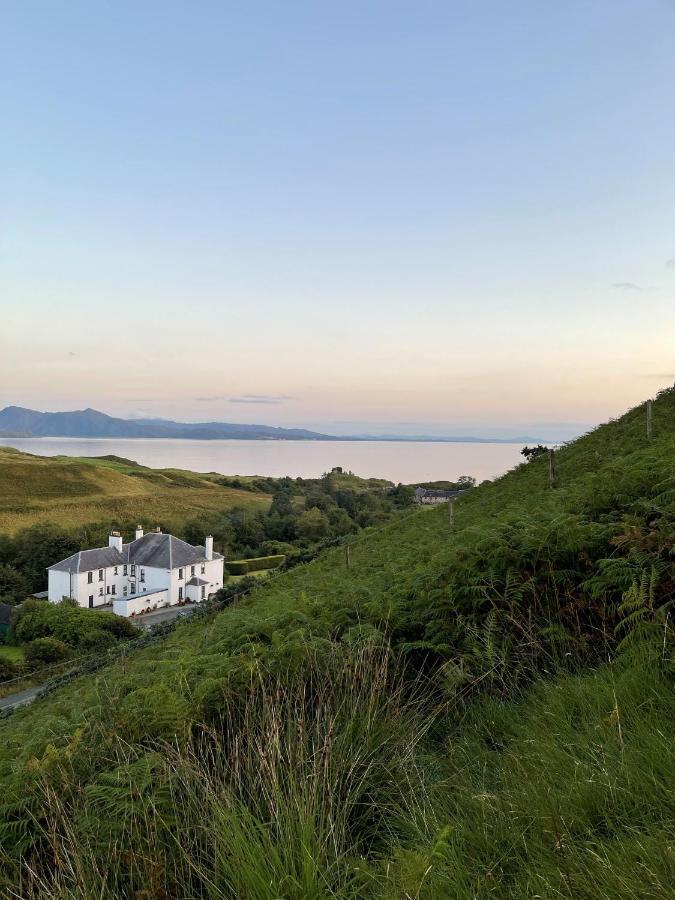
595,829
71,491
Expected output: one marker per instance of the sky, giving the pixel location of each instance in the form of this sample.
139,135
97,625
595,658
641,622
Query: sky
416,217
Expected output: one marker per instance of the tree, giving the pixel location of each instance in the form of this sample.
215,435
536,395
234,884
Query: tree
402,495
313,525
465,481
14,587
531,453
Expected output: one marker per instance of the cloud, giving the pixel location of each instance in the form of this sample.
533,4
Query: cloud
270,399
273,399
670,263
627,286
659,375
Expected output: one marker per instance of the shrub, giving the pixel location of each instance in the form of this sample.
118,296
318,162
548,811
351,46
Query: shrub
8,669
46,650
243,566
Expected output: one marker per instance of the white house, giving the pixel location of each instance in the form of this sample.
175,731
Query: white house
431,497
153,570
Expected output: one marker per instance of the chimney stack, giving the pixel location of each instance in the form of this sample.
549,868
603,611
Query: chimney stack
208,547
115,540
157,529
139,532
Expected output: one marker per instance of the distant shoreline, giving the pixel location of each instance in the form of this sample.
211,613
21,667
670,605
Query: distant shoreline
372,439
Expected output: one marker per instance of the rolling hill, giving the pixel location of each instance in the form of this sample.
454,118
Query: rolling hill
71,491
475,707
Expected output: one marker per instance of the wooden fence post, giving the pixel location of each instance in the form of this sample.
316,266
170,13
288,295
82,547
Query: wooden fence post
649,420
551,467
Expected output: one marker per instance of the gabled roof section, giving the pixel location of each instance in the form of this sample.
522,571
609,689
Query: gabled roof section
155,550
87,560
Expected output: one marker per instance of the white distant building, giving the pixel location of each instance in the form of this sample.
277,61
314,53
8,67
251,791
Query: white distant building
153,570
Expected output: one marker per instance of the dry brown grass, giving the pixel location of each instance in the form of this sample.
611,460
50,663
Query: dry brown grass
69,492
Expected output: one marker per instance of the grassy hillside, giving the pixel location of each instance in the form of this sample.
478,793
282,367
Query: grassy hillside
71,491
479,707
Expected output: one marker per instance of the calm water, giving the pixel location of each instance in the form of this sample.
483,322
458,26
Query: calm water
406,462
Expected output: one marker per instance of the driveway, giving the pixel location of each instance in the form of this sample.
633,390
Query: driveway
147,620
19,699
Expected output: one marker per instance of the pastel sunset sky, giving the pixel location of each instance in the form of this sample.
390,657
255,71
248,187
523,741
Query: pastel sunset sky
450,217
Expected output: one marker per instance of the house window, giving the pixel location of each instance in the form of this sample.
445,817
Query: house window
203,591
125,590
100,574
203,568
192,570
114,589
133,571
180,593
100,592
90,577
124,570
144,590
115,572
180,573
107,590
142,574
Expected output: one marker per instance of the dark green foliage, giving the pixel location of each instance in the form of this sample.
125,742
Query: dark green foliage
43,651
14,587
531,453
80,629
8,669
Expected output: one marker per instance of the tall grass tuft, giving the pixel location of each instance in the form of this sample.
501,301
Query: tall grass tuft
291,791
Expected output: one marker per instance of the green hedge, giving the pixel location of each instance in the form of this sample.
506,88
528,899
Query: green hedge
244,566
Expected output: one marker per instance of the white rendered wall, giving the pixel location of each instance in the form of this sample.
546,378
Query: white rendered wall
124,607
58,585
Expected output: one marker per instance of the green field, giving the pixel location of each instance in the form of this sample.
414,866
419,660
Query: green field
13,654
72,491
480,708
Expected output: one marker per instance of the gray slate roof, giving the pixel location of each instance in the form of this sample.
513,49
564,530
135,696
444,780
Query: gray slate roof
159,551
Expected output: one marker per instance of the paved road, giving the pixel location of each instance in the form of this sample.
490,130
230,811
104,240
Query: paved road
19,699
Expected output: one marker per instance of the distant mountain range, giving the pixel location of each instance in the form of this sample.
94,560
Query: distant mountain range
17,422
